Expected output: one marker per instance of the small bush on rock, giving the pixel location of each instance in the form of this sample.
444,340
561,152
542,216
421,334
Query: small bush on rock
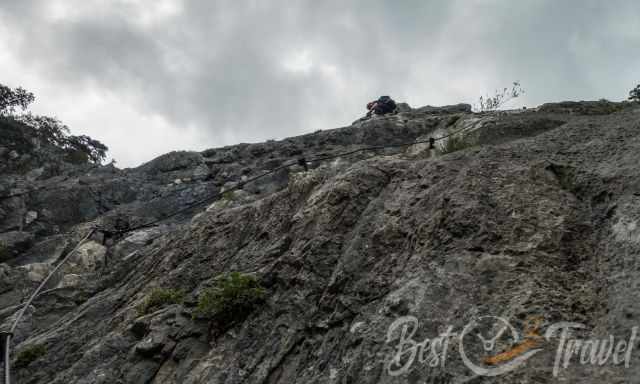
159,298
634,94
228,196
29,354
231,300
493,103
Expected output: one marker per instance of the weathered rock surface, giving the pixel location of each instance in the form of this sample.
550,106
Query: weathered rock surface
537,219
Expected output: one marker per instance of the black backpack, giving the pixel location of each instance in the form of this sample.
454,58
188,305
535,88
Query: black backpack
388,103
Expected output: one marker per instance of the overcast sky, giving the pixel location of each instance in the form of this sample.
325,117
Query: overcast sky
150,76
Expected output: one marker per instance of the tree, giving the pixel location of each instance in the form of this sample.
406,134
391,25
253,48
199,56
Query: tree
49,129
53,131
96,151
489,103
10,99
634,94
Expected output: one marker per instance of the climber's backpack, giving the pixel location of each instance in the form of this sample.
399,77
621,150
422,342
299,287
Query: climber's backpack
385,104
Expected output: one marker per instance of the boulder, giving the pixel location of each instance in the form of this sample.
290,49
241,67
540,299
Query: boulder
30,217
403,107
153,343
173,161
137,240
37,272
201,172
88,258
447,109
70,280
600,107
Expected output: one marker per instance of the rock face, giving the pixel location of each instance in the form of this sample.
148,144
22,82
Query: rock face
534,222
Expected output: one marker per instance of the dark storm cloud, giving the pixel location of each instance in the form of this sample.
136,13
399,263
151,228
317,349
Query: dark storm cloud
219,72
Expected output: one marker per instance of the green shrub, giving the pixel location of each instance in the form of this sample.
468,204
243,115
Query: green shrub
493,103
228,195
158,298
231,300
634,94
29,354
455,143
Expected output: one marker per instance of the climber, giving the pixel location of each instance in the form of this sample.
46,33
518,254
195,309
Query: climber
111,227
382,106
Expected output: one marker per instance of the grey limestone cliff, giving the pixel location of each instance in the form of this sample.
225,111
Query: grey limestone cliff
537,218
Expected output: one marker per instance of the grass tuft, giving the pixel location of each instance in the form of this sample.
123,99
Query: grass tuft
158,298
29,354
231,300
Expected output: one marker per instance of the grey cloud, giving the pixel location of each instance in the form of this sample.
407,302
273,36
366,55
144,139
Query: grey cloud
218,66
